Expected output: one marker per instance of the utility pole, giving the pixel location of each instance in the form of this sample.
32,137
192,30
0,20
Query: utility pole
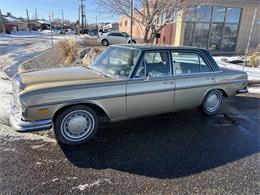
96,22
79,21
131,21
249,38
36,17
28,20
62,19
82,20
85,23
2,22
82,6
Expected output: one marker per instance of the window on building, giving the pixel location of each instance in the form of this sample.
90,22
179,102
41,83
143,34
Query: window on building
188,32
215,36
229,37
200,35
215,28
218,14
203,13
233,15
125,23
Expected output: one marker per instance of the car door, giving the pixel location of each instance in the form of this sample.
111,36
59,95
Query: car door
151,90
111,37
193,76
120,38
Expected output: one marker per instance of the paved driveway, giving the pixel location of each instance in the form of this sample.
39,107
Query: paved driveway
182,152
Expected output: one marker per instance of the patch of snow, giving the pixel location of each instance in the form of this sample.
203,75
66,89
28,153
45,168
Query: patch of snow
11,19
95,183
55,179
11,135
253,72
38,163
254,90
9,150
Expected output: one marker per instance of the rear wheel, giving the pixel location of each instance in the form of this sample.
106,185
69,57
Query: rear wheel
105,42
133,41
76,125
211,102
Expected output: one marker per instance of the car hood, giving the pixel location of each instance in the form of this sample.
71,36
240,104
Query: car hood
58,77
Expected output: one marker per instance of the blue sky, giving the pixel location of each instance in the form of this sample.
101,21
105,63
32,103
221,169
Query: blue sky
44,7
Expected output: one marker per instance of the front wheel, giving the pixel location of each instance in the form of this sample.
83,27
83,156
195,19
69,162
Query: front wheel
211,102
76,125
105,42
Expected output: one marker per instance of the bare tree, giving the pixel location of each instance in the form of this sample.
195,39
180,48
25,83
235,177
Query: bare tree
152,15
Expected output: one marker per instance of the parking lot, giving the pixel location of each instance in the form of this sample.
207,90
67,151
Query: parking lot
179,153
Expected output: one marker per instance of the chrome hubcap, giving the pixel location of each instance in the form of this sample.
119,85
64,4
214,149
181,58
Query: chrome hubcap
77,125
213,101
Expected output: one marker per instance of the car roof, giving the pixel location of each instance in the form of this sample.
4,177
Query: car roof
152,46
114,31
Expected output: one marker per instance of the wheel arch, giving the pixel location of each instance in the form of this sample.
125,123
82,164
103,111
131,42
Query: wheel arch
104,39
224,92
102,114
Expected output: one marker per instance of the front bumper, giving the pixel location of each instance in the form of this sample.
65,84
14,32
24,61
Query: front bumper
23,126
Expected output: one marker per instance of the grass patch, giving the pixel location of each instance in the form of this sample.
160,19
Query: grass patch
67,50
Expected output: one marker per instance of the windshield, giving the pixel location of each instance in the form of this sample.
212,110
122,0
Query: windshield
116,61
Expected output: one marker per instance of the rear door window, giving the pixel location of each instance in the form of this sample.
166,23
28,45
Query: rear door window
189,63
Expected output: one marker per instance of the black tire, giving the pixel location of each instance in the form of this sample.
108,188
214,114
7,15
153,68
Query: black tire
105,42
85,116
205,109
133,41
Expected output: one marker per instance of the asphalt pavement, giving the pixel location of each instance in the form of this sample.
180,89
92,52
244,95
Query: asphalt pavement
178,153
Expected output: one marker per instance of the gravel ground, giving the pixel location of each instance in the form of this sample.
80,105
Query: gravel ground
51,58
47,59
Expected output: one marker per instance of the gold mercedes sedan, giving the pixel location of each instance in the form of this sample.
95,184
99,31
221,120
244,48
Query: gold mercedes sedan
125,81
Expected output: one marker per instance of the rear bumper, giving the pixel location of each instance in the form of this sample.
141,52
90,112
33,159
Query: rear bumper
245,90
19,125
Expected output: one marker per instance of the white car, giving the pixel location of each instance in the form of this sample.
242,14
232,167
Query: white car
115,37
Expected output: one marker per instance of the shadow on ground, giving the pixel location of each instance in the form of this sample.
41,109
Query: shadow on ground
168,146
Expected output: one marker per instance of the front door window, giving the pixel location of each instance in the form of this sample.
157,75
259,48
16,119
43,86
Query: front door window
155,64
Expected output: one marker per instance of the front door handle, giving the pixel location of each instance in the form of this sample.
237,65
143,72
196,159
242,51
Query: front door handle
211,78
168,82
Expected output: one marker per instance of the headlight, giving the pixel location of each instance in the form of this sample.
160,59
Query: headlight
18,82
23,107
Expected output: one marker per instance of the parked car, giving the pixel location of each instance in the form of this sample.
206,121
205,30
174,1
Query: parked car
125,81
115,37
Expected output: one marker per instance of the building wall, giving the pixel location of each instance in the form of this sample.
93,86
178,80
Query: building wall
124,26
245,25
167,34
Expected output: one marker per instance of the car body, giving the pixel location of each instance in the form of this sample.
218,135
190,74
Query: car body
115,37
125,81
